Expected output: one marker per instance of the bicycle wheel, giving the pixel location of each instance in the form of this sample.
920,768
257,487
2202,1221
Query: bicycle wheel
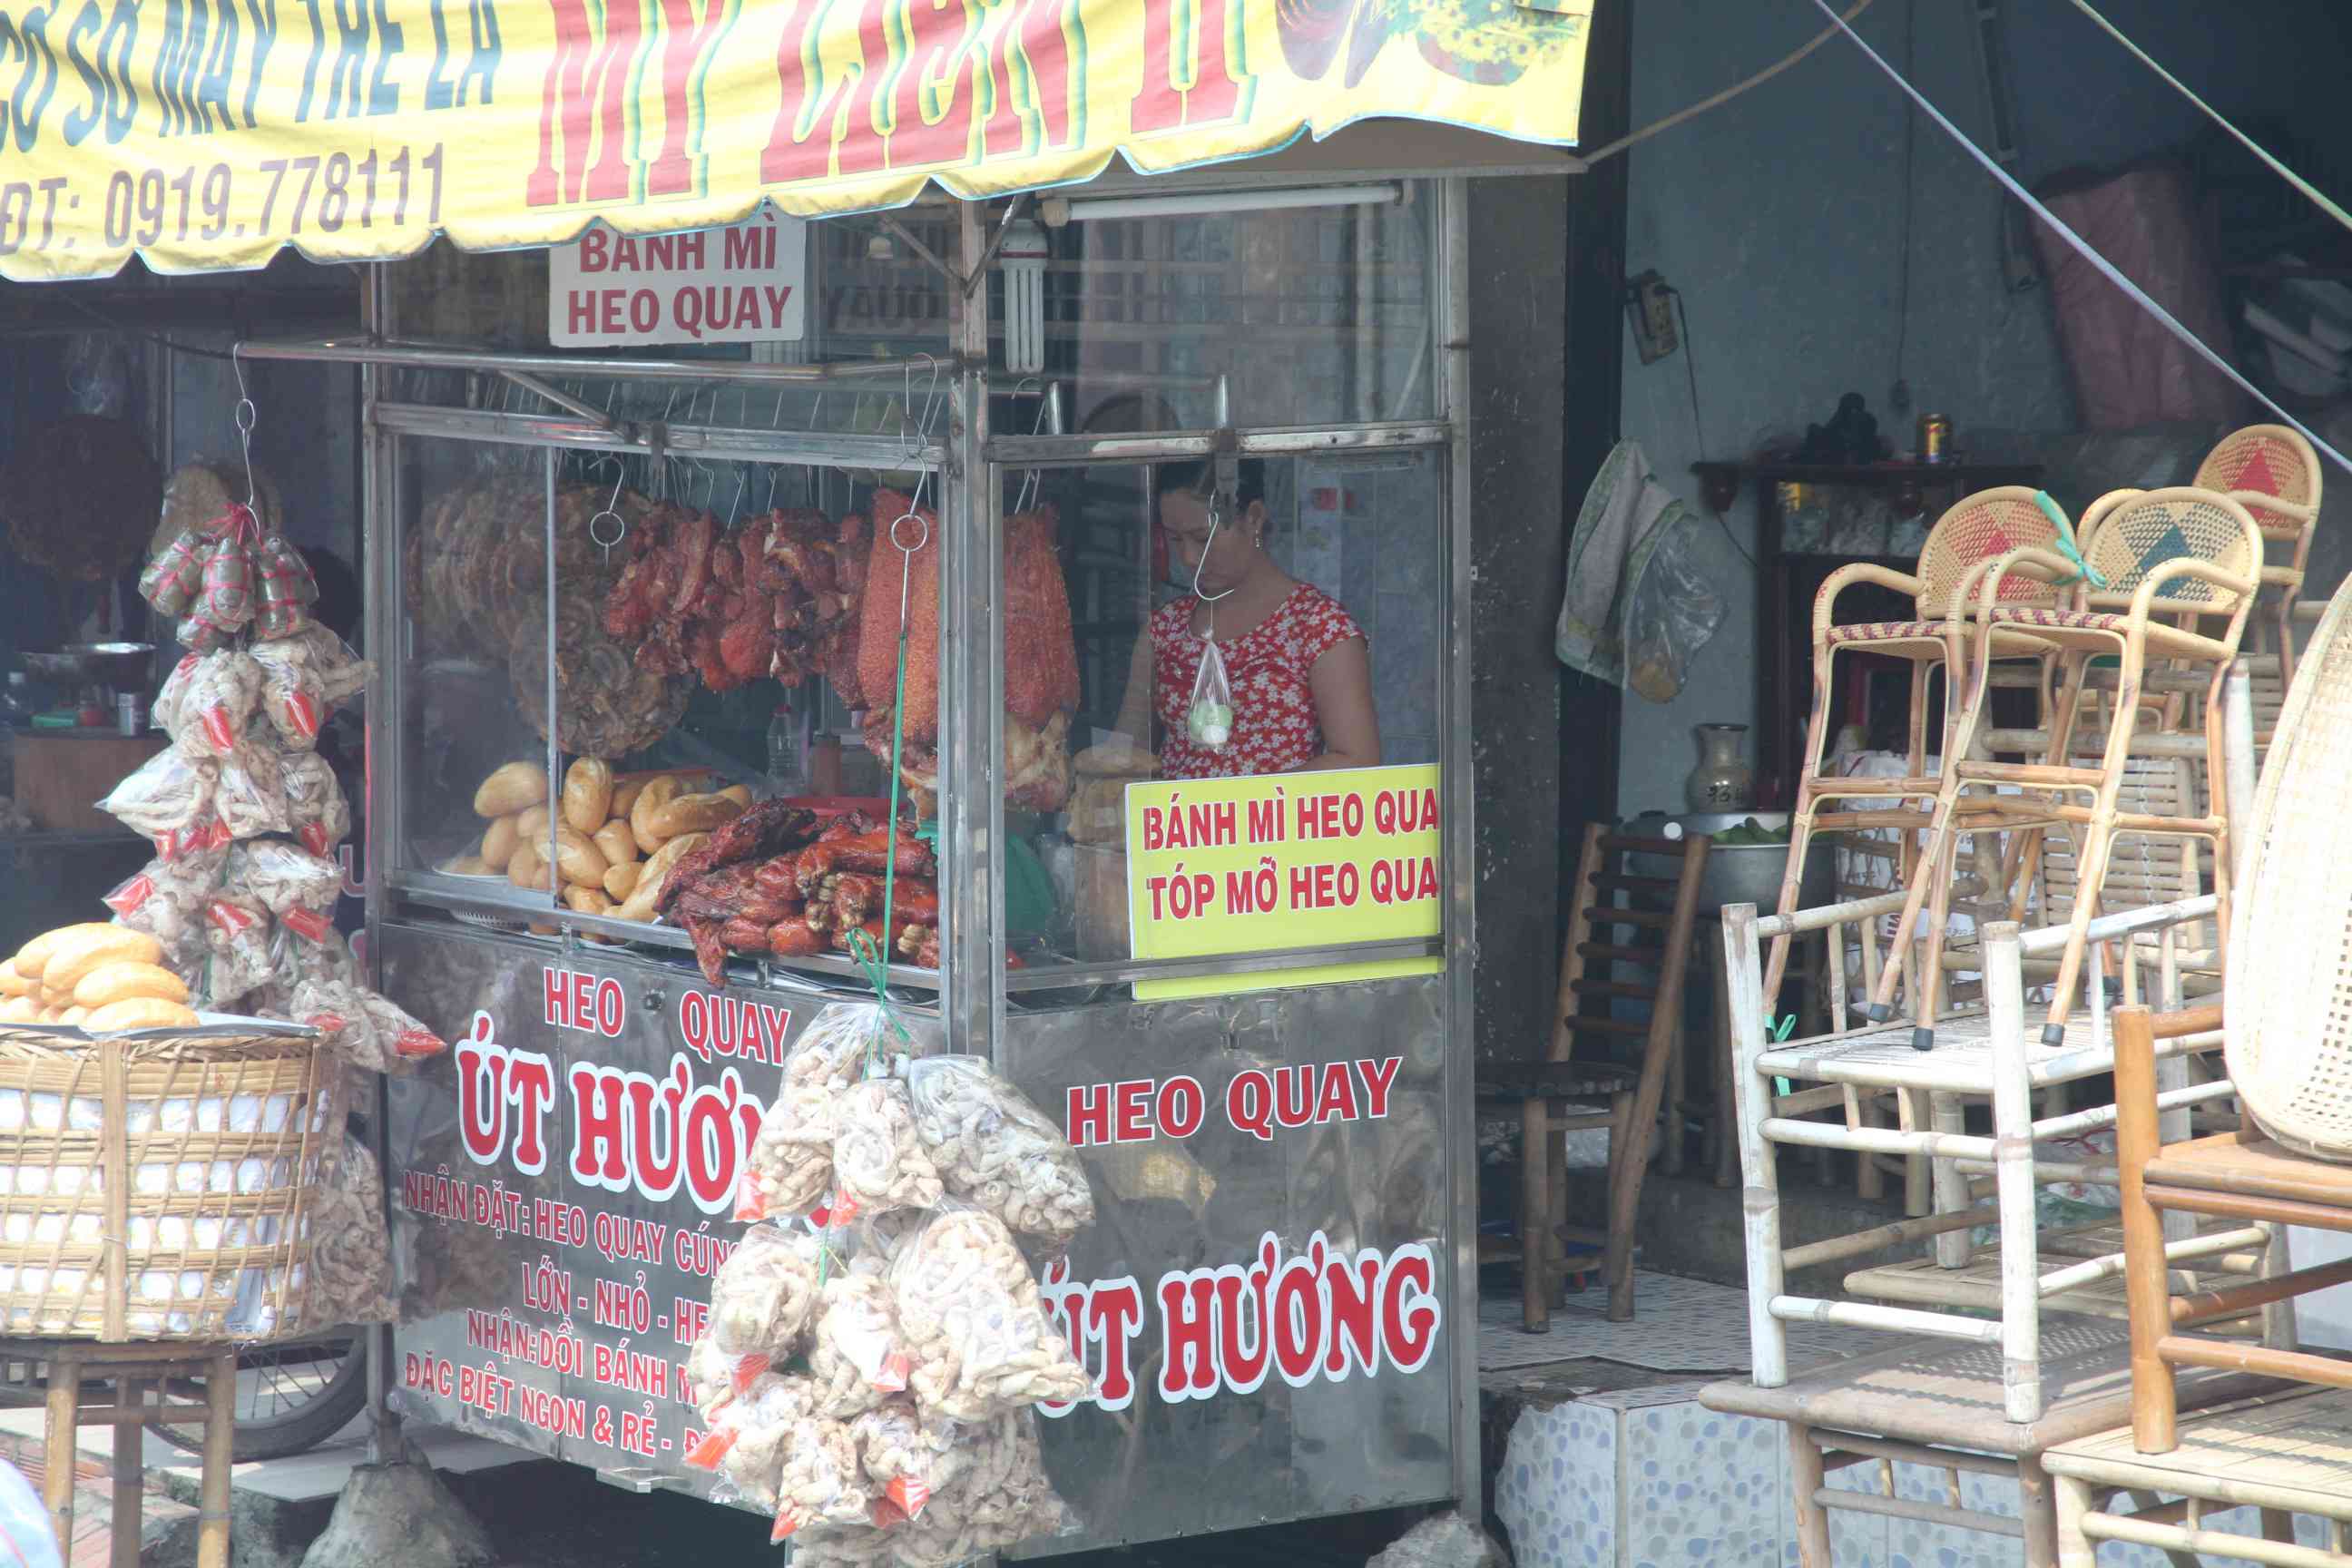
289,1397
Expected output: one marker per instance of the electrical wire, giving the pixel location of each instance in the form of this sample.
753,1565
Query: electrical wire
1698,426
110,324
2107,269
1610,149
1900,395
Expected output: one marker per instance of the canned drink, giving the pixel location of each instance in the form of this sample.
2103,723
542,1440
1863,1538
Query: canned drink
1935,438
129,712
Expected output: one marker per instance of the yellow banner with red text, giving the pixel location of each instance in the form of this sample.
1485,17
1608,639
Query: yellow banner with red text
206,134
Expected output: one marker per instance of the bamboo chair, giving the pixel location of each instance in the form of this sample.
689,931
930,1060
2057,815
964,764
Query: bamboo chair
2169,560
1988,1059
2273,472
1940,1407
1981,528
1555,1095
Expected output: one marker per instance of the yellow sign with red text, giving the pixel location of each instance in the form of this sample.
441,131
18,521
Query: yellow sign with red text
206,134
1246,866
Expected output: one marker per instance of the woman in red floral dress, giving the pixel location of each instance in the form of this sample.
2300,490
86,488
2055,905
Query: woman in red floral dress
1297,661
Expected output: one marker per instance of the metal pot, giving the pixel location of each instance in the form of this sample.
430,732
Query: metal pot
1736,873
93,663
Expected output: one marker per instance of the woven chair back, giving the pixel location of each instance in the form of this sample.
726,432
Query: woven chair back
2266,460
1978,528
2148,531
2288,994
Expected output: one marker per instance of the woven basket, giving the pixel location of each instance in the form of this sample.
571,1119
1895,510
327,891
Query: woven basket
2287,1000
156,1185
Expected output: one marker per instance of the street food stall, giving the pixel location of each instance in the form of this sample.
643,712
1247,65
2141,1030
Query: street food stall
1009,279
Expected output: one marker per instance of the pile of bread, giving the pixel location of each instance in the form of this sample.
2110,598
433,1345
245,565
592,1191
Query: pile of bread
100,976
613,840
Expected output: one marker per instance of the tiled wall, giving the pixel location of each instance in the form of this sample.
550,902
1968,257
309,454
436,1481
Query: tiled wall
1368,530
1650,1479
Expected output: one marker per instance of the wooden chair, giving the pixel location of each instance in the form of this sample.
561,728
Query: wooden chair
1979,528
1944,1407
1556,1095
2168,559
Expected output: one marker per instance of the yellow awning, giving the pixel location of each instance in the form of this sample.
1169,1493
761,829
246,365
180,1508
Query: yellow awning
203,134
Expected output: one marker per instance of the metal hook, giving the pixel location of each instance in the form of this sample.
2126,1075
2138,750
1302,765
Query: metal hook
923,428
246,417
612,506
1216,522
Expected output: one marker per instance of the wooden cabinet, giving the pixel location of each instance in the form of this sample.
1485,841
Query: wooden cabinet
1791,566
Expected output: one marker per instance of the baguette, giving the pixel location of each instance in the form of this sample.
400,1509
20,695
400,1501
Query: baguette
739,794
139,1012
73,1015
113,982
655,793
499,842
511,788
528,870
12,983
33,956
579,858
639,905
616,841
20,1010
530,825
587,900
622,880
588,793
624,795
695,814
79,955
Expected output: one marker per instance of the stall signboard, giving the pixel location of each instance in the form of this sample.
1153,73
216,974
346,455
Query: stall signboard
204,135
563,1192
740,284
1240,867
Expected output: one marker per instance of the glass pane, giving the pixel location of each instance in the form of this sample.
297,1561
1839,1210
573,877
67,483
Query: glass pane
1315,315
472,561
1332,561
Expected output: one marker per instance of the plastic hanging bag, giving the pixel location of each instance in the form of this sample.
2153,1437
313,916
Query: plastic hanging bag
974,1328
1673,613
1209,716
992,1147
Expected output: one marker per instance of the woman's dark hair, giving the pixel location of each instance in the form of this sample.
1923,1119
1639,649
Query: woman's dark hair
1199,476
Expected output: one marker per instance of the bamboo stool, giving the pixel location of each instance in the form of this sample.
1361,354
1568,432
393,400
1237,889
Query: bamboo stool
2283,1454
1985,1057
1942,1406
1976,530
49,1374
2166,558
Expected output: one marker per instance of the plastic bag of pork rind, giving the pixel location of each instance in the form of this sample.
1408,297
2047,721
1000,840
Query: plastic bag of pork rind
166,899
251,796
315,807
237,930
790,1167
971,1322
324,661
350,1269
854,1355
765,1296
365,1029
844,1043
211,713
993,1148
1000,1496
164,796
285,877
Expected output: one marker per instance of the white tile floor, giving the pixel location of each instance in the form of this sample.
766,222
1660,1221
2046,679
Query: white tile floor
1679,1325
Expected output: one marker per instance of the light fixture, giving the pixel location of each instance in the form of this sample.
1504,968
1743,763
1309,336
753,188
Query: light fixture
1059,210
879,247
1022,256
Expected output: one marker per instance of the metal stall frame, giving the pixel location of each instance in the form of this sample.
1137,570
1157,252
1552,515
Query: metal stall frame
974,991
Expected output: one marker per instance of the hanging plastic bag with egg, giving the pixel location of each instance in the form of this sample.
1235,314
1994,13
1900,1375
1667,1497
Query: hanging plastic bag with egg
1209,717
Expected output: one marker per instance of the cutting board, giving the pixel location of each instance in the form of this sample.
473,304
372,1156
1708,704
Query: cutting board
60,774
